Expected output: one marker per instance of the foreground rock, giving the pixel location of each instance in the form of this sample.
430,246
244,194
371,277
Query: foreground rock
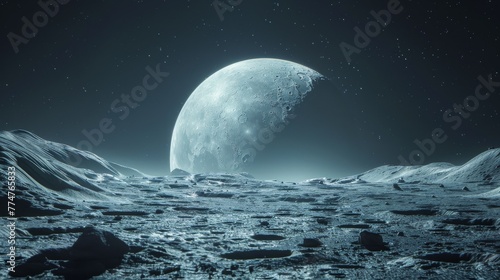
92,254
372,241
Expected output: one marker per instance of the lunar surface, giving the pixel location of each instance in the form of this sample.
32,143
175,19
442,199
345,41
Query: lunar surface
236,112
103,220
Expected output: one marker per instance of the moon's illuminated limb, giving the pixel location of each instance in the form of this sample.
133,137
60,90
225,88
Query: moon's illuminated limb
235,112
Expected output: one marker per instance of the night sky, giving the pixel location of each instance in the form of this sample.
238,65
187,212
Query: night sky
396,88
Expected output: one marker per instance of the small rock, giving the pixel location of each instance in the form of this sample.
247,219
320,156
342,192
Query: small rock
227,271
446,257
257,254
179,172
124,213
41,231
441,186
372,241
159,211
322,221
401,180
264,224
397,187
466,189
311,243
155,272
267,237
360,226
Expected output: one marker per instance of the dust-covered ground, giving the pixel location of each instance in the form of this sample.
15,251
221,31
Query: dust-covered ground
105,221
222,226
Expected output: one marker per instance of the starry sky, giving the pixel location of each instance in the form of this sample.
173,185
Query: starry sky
65,77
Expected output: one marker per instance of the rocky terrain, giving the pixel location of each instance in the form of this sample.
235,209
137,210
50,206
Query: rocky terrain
102,220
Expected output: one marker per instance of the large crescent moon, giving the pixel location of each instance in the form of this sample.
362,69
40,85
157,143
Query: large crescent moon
233,114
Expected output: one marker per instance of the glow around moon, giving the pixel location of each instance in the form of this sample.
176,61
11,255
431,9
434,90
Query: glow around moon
233,114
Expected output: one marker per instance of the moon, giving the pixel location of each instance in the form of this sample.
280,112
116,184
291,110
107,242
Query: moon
236,112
